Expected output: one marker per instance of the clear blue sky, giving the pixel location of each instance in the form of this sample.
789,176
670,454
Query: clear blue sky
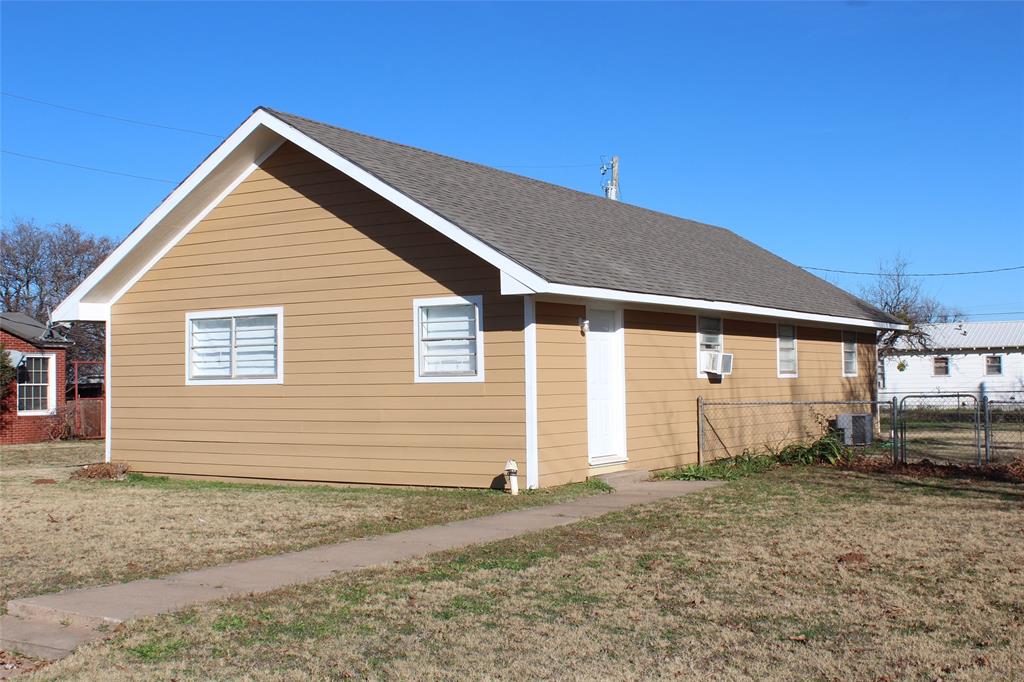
833,134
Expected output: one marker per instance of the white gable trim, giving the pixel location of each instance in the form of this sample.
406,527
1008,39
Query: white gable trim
195,221
263,133
407,204
74,307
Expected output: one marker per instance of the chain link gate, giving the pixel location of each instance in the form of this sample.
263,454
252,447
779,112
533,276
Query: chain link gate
1004,429
942,427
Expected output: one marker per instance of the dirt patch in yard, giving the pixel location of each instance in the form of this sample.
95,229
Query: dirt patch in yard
800,573
74,533
1011,472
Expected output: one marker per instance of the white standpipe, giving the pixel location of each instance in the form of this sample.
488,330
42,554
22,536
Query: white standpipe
512,474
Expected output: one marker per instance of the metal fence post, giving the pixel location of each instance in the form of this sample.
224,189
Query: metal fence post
987,415
700,430
894,444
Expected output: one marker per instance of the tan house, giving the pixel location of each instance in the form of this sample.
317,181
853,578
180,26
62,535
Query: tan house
318,305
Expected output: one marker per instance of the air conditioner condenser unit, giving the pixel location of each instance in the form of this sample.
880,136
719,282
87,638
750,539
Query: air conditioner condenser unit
857,429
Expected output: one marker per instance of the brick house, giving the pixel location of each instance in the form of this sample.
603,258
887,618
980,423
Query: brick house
30,410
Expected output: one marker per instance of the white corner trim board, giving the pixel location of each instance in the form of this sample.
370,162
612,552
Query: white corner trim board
530,343
248,146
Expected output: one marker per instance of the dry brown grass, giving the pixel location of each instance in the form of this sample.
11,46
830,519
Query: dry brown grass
73,533
795,574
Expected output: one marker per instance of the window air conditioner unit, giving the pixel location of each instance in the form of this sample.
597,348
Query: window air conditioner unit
856,429
716,363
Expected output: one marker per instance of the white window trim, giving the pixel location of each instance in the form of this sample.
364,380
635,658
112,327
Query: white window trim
700,374
234,312
1001,363
949,366
778,352
51,387
842,353
478,302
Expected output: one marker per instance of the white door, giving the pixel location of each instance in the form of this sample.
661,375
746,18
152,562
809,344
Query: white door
606,398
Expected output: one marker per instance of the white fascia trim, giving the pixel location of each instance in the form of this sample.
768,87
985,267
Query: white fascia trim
69,308
718,307
406,203
195,221
530,345
477,301
277,311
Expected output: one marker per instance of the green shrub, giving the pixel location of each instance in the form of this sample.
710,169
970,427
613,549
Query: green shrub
826,450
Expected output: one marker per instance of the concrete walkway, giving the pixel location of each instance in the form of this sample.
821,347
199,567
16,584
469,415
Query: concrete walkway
53,625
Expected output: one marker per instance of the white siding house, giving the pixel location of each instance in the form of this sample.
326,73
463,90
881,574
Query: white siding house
980,358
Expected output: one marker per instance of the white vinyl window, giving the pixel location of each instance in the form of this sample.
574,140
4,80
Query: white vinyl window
709,338
243,346
37,385
940,366
787,362
449,340
993,365
849,354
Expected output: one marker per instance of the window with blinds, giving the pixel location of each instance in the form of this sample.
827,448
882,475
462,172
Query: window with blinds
448,339
787,363
849,354
241,346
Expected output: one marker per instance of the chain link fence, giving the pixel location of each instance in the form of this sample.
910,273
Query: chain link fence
727,429
953,428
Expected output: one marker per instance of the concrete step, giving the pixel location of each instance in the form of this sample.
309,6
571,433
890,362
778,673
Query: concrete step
625,479
41,639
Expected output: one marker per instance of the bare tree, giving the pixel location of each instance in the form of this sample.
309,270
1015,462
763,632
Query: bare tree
40,266
900,294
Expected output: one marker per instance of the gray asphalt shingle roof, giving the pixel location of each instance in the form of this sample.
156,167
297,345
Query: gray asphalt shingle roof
29,329
570,237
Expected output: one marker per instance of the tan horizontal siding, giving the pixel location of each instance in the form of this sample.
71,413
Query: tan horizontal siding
561,393
662,386
346,266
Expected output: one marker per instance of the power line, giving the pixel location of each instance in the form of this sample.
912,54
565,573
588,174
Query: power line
571,165
108,116
920,274
1008,312
88,168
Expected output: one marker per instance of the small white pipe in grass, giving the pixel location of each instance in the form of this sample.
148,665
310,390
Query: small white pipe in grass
512,474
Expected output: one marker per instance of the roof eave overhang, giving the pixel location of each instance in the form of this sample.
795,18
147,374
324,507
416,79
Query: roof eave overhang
250,144
720,307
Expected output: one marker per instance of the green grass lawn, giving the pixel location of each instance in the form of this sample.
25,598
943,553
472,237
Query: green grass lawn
66,533
807,573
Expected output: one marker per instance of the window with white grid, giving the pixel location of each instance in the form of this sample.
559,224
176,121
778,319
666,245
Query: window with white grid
36,385
235,346
449,340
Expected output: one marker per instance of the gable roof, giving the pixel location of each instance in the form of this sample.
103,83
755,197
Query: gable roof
581,239
543,238
971,336
30,329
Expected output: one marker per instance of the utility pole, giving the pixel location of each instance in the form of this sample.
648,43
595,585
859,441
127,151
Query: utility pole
611,188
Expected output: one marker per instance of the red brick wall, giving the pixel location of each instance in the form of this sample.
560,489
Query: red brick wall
15,429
